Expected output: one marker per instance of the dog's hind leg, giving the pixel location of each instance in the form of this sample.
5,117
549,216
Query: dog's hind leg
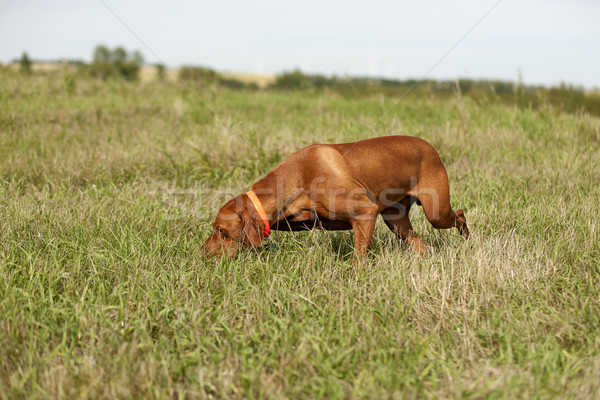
396,218
434,196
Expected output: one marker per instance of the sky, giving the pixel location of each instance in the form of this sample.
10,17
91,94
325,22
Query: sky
543,42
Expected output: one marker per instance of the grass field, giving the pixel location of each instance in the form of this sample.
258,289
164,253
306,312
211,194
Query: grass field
107,191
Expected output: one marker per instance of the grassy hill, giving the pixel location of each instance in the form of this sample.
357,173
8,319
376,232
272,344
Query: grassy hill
107,190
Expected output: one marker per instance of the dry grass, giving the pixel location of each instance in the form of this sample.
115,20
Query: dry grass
107,191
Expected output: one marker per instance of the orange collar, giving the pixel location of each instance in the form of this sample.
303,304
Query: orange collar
261,211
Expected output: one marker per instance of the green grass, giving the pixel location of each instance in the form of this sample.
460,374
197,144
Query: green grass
108,190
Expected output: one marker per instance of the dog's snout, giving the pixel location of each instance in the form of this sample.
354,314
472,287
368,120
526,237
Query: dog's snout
216,246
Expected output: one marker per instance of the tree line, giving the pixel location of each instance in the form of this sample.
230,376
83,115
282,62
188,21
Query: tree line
118,63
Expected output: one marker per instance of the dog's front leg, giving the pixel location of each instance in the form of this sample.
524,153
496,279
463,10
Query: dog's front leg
363,226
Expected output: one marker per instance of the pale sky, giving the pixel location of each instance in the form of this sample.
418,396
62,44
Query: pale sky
548,41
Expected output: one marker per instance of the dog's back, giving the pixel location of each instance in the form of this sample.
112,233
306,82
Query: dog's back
376,164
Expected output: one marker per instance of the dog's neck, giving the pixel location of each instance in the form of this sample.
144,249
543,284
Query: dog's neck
272,199
269,204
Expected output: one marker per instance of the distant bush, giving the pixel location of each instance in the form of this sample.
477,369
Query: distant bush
292,80
116,63
298,80
208,78
25,64
235,84
565,98
198,75
160,71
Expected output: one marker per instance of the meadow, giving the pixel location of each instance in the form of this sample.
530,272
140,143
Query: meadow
108,188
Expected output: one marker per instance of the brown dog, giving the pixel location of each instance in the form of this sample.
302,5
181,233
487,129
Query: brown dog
342,186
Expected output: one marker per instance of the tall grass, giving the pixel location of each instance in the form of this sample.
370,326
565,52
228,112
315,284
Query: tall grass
107,192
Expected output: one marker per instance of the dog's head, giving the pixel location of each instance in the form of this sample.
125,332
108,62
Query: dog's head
237,224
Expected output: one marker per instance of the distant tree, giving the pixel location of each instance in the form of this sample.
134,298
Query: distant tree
25,63
137,57
101,54
160,71
115,63
118,55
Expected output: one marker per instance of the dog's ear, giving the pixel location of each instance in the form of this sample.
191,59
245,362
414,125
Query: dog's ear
252,227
